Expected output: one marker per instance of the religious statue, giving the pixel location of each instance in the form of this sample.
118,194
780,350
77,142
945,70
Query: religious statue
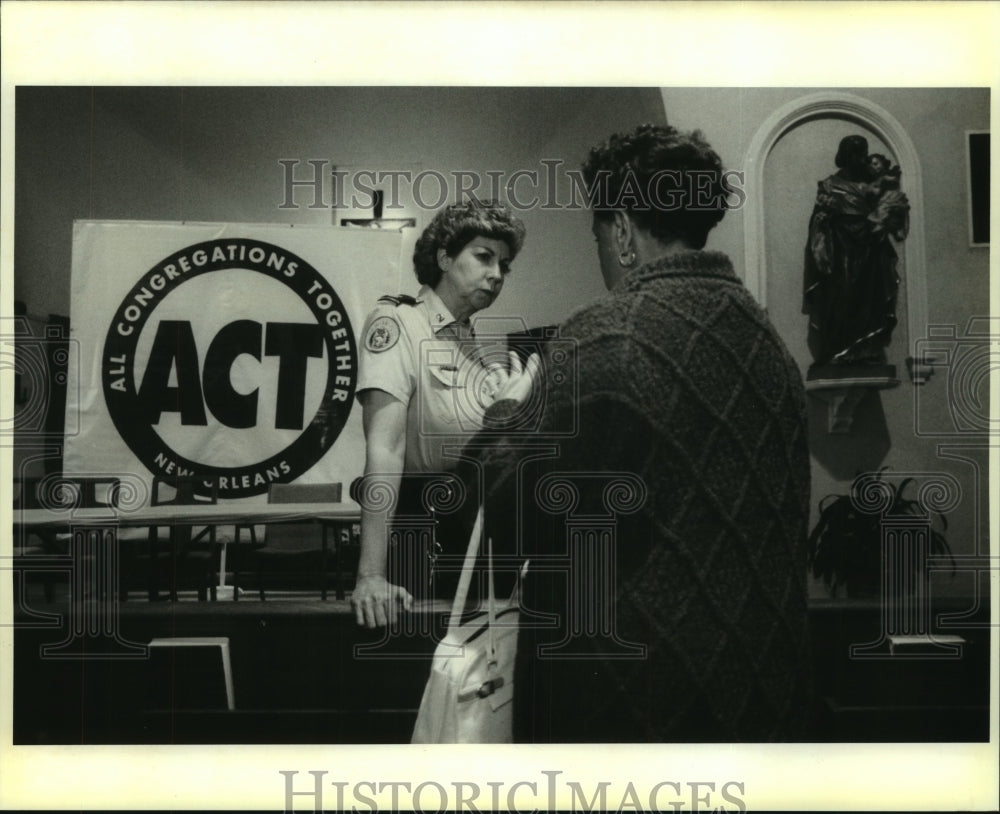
850,279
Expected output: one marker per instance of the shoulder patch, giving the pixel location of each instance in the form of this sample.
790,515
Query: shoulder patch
398,299
382,334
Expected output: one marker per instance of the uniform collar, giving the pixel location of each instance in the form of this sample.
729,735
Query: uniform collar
438,314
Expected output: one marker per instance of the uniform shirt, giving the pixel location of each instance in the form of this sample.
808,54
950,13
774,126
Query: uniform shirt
422,356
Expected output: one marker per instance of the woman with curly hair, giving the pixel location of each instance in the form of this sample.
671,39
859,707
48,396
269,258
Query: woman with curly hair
422,388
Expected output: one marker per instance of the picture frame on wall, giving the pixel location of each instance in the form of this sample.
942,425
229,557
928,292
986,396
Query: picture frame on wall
977,153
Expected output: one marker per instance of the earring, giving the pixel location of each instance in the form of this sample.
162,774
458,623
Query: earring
626,259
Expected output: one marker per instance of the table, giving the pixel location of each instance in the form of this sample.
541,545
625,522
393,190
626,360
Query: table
219,514
94,557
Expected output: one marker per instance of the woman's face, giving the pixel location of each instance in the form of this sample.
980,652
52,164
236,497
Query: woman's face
472,279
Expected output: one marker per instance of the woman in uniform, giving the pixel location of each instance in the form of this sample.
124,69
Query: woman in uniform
423,386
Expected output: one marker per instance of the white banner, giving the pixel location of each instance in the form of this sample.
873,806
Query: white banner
222,350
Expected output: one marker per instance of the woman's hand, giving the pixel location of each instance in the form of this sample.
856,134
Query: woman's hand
376,601
517,381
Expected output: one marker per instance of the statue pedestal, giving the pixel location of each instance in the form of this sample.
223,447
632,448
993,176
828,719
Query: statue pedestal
843,387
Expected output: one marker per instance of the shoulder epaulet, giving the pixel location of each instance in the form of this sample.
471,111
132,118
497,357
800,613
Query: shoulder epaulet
399,299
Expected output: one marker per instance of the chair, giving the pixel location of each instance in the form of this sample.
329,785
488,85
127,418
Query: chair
184,673
191,557
25,493
294,552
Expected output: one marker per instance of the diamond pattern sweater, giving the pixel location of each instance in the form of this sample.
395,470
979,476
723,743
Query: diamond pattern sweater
664,514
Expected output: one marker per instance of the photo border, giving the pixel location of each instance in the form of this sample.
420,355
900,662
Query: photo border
688,44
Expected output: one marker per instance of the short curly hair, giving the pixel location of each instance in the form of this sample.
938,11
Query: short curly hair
670,182
454,226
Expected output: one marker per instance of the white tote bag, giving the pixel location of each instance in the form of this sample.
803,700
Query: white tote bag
469,694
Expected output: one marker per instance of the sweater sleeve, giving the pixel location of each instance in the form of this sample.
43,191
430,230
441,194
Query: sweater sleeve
503,415
586,424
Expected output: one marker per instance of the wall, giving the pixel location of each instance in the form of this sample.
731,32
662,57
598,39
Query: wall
956,276
211,154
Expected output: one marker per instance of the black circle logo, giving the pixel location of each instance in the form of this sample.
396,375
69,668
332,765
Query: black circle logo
244,401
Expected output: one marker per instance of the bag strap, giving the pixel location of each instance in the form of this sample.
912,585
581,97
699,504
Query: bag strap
490,606
462,593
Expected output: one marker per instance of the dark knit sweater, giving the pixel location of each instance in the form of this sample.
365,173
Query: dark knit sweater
695,629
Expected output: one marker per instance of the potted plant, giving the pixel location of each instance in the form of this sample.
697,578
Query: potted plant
845,546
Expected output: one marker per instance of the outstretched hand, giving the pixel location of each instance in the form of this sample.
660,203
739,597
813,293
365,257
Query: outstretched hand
516,381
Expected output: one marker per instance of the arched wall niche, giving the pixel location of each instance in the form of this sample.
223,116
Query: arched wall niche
831,104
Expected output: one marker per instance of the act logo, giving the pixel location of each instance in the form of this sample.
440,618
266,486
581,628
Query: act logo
231,359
